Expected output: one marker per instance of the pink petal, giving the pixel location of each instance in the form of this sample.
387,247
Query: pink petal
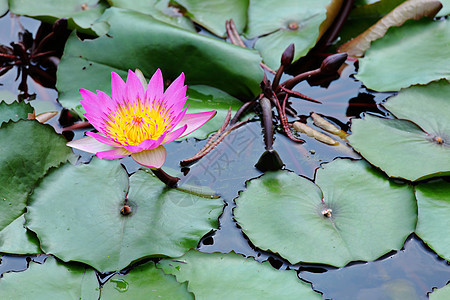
178,118
89,144
170,137
145,145
92,109
117,86
113,154
154,158
90,102
88,96
194,121
94,118
106,103
98,111
155,87
103,139
133,148
134,88
177,100
172,94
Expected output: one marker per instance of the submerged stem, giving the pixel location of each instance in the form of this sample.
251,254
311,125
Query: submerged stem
170,181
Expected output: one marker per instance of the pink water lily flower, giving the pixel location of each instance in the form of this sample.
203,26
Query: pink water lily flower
138,119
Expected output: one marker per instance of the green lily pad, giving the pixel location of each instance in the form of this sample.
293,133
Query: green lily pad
52,280
14,111
409,151
433,203
230,276
75,212
213,14
441,294
158,9
3,7
81,14
28,150
145,280
398,59
411,154
427,106
15,238
281,23
445,9
85,64
370,215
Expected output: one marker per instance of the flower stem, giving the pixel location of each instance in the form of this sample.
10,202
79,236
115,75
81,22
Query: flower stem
267,121
290,83
330,36
170,181
245,107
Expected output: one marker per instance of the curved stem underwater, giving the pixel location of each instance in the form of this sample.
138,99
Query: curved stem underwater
170,181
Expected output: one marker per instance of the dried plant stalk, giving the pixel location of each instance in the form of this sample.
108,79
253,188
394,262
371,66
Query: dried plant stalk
42,118
327,126
303,128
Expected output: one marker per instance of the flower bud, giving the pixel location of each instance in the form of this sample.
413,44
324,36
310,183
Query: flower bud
288,55
332,63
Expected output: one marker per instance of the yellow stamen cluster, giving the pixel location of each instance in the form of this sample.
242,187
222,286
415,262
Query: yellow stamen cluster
132,124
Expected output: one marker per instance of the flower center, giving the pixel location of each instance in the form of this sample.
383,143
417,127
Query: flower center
137,120
135,123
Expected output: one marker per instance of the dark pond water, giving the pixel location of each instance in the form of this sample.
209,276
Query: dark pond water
407,274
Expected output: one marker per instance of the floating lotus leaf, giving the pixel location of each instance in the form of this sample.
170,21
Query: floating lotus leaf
145,281
28,150
230,276
281,23
213,14
3,7
400,147
85,64
368,217
14,111
441,294
398,59
52,280
75,212
445,9
433,203
81,14
15,238
427,106
158,9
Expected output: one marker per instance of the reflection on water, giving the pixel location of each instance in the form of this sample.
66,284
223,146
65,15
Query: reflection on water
408,274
